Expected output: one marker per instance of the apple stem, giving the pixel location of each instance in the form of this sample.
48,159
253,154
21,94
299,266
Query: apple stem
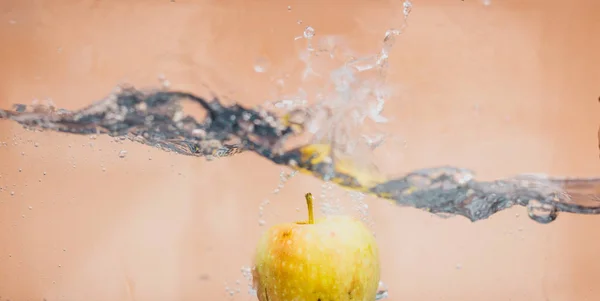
309,203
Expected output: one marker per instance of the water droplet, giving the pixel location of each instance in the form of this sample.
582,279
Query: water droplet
123,154
36,144
12,193
30,207
541,212
382,291
20,170
459,266
309,32
289,8
44,173
261,222
299,22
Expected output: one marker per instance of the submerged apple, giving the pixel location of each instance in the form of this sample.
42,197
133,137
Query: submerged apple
332,259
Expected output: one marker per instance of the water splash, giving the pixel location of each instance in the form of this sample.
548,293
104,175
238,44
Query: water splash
347,110
354,95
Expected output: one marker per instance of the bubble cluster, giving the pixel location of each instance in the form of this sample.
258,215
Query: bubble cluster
247,274
284,177
261,212
329,203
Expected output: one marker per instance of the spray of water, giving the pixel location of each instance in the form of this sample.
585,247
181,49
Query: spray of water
341,114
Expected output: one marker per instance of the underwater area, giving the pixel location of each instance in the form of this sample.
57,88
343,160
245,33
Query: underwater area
146,146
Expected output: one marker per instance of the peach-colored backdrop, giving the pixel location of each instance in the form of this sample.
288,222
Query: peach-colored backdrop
502,89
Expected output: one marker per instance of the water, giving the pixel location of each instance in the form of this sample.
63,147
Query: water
342,114
350,94
357,91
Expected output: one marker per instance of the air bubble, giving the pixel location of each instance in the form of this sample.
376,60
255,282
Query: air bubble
123,154
407,5
261,65
541,212
382,291
309,32
247,274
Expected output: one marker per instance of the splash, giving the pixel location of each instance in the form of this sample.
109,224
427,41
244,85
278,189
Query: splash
157,118
347,108
342,113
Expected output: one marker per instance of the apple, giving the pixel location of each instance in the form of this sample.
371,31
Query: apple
335,258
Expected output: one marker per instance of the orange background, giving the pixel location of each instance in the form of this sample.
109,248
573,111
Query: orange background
502,89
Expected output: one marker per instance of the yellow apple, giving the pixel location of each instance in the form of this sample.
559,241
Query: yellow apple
332,259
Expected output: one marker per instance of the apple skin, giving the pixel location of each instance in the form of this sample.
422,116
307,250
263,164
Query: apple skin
334,259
